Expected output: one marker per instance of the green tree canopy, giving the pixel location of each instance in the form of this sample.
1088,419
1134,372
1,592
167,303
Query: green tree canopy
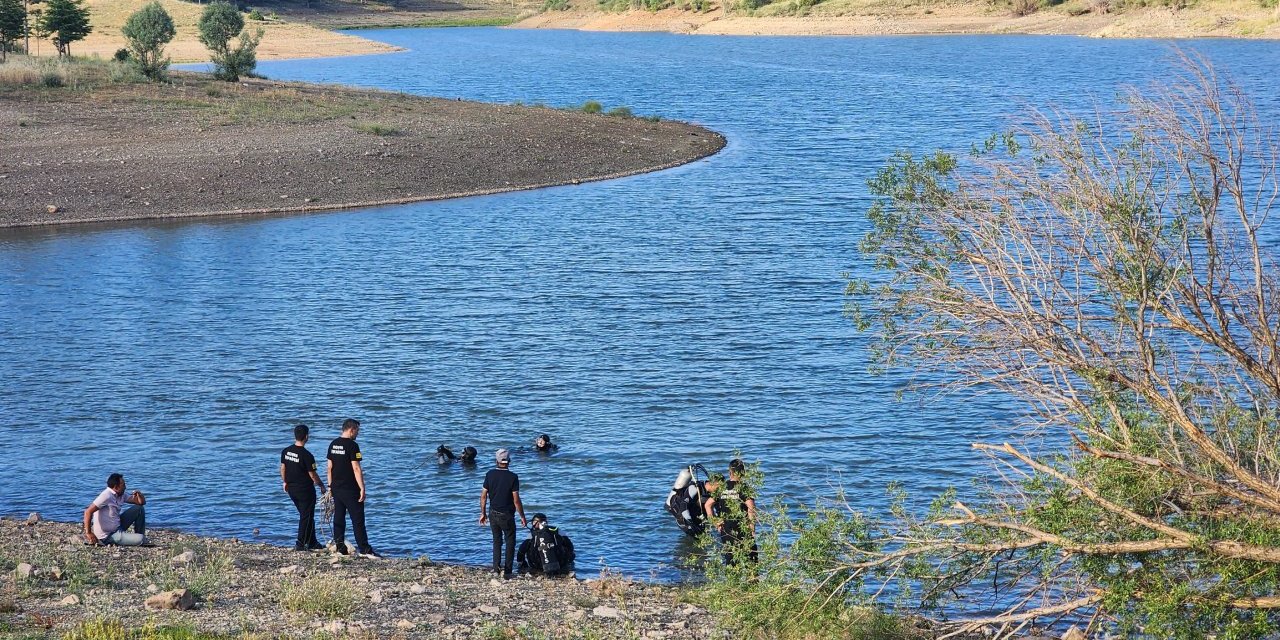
148,30
65,21
219,23
12,24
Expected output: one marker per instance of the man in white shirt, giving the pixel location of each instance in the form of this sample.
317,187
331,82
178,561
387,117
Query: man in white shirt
105,523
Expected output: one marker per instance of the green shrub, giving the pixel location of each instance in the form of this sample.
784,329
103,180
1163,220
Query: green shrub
373,128
219,23
620,112
147,31
555,5
121,55
321,596
257,15
591,106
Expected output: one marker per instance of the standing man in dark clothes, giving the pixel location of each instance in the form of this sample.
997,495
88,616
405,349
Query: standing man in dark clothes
298,473
502,491
733,507
346,484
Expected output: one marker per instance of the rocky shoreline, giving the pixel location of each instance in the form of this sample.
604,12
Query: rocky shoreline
54,584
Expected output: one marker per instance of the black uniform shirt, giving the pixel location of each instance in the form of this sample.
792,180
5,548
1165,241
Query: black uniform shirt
344,451
298,465
500,483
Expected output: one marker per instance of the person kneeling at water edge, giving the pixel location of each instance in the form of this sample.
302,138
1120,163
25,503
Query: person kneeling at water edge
547,551
502,493
105,523
346,485
299,477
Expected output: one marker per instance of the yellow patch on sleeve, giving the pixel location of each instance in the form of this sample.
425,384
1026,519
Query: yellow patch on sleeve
359,456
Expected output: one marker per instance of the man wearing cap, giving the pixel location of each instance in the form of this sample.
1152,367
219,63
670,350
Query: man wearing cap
501,496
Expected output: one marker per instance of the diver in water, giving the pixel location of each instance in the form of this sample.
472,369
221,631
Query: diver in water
468,457
543,444
444,455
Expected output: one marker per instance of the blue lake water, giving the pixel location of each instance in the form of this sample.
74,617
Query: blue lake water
645,323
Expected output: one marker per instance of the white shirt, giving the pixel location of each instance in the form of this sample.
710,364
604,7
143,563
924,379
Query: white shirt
107,519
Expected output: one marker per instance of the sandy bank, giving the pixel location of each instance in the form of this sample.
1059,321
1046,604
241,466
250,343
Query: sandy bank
1226,18
197,147
242,588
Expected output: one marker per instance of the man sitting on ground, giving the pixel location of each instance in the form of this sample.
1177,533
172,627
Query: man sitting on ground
104,522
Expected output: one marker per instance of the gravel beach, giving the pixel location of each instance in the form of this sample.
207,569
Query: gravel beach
53,583
98,151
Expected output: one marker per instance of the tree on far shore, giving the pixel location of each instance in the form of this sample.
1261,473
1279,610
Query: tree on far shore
219,23
65,21
148,30
13,22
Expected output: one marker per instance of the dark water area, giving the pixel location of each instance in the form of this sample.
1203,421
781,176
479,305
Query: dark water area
645,323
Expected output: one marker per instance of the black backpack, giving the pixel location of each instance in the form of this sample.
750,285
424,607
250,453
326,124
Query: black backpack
547,551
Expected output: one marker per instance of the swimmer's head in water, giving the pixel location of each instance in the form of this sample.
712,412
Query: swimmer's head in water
543,441
469,454
539,519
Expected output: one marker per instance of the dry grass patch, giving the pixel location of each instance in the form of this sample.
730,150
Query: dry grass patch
321,596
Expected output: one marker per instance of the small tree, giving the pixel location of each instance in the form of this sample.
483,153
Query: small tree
219,23
13,22
1116,276
148,31
65,21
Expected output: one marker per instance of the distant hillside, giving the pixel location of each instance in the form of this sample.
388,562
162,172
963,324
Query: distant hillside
1102,18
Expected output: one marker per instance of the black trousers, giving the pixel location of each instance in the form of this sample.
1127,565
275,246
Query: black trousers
348,501
737,542
503,527
304,500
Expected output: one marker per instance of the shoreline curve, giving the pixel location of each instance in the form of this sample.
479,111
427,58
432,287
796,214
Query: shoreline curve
203,148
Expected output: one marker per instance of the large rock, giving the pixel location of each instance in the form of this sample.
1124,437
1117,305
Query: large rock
186,557
71,600
375,596
405,625
293,568
489,609
417,589
179,599
603,611
54,573
33,518
25,570
1074,633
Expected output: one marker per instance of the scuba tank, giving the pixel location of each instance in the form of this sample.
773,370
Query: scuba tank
684,501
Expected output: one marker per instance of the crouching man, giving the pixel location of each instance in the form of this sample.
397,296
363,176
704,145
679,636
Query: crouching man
547,551
105,523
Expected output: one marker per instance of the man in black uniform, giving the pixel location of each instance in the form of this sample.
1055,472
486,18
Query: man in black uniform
298,473
346,483
502,491
733,507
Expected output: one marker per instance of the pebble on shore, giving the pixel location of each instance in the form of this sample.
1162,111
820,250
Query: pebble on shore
228,587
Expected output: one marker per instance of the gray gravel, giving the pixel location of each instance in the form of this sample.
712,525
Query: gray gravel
242,587
200,147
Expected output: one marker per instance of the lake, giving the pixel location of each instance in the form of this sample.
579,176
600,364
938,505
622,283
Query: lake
644,323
